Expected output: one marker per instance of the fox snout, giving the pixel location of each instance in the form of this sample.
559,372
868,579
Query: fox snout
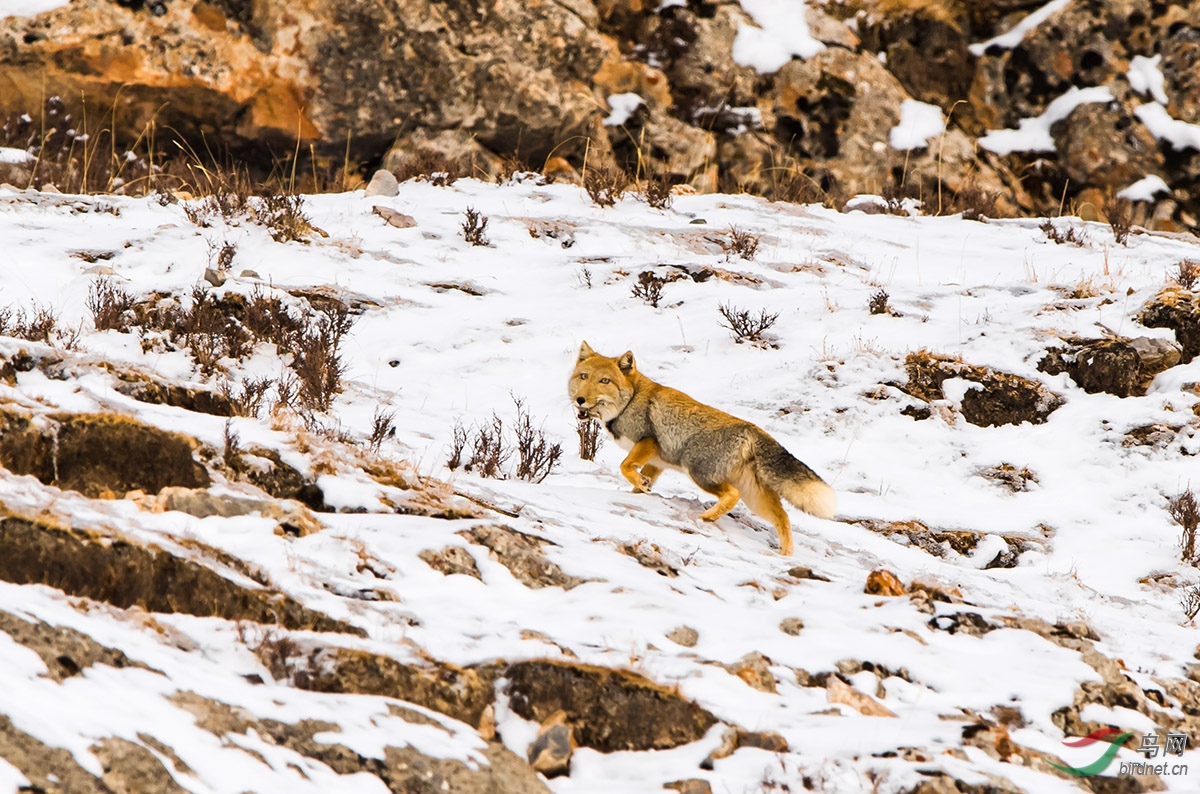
584,412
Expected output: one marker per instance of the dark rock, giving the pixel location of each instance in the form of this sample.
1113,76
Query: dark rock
124,573
550,752
1178,309
1102,365
970,623
521,554
1105,145
451,560
1001,399
99,454
610,710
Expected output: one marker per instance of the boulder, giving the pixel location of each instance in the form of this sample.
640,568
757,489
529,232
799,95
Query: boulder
993,397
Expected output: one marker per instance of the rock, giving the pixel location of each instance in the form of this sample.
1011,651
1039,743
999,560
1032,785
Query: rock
515,77
550,752
884,582
999,398
970,623
383,183
521,554
394,218
803,572
1178,309
122,571
755,670
1101,365
451,560
693,785
684,635
609,710
838,691
214,276
1104,145
1155,356
99,454
649,555
770,741
791,626
926,49
293,517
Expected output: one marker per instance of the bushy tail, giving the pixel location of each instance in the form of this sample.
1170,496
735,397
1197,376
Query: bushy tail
781,472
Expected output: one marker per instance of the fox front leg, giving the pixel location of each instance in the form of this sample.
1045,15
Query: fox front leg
641,454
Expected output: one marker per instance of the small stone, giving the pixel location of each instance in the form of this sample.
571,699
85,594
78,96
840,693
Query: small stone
693,785
754,669
770,741
214,276
804,572
394,218
838,691
249,274
50,187
697,221
684,635
383,183
550,753
884,582
791,626
849,666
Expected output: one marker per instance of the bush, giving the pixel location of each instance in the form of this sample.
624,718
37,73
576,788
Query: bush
878,304
744,325
589,438
742,243
318,360
1186,512
649,287
474,228
110,304
605,185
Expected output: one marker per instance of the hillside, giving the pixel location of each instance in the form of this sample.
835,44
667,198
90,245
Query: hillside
226,569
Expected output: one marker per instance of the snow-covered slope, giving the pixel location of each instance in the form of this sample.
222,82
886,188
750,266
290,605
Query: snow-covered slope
449,334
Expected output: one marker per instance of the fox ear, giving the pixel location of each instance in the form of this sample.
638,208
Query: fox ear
625,362
585,351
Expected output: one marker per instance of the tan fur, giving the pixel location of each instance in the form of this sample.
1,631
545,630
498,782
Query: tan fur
664,428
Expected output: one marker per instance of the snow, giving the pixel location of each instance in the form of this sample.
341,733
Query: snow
919,121
1095,525
1180,134
1013,37
28,8
1033,135
780,33
12,156
1146,77
622,107
1145,189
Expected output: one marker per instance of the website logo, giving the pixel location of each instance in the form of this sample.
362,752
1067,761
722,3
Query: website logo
1175,744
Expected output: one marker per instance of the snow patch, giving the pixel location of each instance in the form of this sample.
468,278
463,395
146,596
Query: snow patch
919,121
1146,77
623,106
28,8
1145,189
781,34
1033,135
1180,134
1013,37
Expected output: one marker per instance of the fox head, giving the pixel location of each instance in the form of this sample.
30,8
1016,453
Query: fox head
600,386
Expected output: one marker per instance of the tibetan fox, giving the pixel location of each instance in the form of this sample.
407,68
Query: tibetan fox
664,428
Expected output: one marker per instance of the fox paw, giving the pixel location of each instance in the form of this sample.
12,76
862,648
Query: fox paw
643,487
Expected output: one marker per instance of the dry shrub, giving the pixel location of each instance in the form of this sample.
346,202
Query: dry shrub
745,326
110,304
318,360
649,287
1119,212
589,438
740,242
474,228
284,217
270,320
430,165
1189,601
1185,511
383,427
536,456
974,203
605,184
878,303
248,398
1060,237
40,326
657,191
488,450
1187,274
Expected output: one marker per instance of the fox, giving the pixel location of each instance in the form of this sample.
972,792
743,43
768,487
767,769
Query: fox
663,428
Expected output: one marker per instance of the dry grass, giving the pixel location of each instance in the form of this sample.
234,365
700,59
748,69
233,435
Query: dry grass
1119,212
474,227
649,287
657,191
1185,511
432,166
605,185
589,438
1187,274
111,306
740,242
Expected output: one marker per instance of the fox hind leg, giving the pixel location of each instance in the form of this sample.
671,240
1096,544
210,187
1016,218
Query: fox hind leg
650,472
769,506
727,498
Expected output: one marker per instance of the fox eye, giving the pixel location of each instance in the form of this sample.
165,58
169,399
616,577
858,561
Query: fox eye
605,380
583,376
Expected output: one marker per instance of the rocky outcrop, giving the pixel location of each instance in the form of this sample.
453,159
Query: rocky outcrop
1119,366
991,397
451,87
